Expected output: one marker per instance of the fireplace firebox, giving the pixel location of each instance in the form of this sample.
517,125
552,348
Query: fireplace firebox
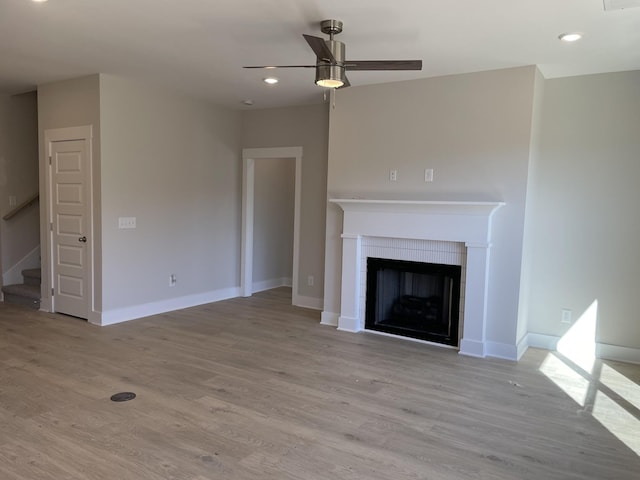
413,299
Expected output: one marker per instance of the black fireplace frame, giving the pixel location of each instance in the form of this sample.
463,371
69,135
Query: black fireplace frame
449,275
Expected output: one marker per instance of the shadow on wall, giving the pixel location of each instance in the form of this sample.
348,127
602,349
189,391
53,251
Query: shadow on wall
605,390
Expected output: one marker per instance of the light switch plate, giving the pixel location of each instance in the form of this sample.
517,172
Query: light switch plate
127,222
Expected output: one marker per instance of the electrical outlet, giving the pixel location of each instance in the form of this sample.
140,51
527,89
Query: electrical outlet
393,175
566,316
310,280
428,174
173,280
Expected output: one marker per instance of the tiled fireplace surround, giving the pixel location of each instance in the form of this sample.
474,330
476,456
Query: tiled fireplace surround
454,233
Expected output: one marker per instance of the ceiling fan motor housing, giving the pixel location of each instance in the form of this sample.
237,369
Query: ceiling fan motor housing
327,71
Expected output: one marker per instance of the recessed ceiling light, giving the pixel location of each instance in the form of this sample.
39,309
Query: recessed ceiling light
570,37
38,1
248,102
270,80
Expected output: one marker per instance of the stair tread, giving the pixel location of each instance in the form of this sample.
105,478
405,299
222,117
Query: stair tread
32,272
29,291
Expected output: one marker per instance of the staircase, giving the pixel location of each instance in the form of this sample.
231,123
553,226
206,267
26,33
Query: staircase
27,293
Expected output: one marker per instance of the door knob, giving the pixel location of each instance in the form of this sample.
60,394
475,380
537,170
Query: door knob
83,239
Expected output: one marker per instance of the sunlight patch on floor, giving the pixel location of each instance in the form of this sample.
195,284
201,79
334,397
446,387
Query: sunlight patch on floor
570,381
573,369
620,384
618,421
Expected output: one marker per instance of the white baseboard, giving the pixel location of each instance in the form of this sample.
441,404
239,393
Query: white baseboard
539,340
521,347
120,315
308,302
603,350
620,354
329,318
14,274
472,348
504,351
349,324
271,283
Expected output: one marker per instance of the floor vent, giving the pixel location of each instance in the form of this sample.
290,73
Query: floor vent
123,396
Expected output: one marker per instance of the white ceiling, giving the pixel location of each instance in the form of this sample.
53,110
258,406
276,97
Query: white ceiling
199,46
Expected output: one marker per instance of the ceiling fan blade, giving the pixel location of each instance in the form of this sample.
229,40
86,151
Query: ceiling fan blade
383,65
273,67
319,48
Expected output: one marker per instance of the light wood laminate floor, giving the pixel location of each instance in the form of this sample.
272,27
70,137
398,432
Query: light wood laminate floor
256,389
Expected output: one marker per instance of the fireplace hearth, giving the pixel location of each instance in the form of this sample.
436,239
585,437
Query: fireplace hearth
413,299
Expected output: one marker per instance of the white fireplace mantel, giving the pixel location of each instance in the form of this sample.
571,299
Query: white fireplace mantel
452,221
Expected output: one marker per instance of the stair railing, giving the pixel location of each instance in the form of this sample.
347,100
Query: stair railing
27,203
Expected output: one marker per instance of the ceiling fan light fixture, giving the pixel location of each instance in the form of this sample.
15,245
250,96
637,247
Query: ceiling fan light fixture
330,76
570,37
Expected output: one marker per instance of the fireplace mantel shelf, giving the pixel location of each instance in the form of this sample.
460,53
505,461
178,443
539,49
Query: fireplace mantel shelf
415,206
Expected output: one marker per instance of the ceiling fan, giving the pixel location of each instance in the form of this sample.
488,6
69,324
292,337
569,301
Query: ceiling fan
331,65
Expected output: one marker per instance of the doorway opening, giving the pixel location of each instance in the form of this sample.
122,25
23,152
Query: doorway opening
249,158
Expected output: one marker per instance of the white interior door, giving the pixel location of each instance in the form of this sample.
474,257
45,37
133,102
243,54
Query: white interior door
70,221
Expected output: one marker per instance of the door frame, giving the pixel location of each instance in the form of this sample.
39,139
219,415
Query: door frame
249,157
85,133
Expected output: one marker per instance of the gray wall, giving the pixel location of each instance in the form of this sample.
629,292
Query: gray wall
306,127
585,225
71,103
527,250
474,130
174,163
18,177
274,188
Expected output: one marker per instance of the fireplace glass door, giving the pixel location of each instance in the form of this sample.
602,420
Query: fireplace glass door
413,299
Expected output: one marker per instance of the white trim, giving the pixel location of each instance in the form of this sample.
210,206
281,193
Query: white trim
270,284
329,318
521,347
540,340
14,274
349,324
472,348
126,314
504,351
433,207
309,302
249,156
617,353
603,350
